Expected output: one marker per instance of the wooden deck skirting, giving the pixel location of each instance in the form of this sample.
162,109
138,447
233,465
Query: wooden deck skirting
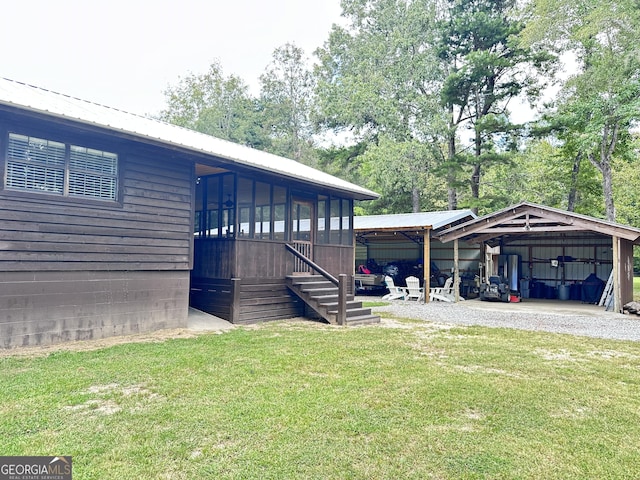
245,300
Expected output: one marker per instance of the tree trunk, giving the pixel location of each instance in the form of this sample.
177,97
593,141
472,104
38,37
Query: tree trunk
452,198
452,194
607,147
475,176
573,191
607,189
415,199
475,186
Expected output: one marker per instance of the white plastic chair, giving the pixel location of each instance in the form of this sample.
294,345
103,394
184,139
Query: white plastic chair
414,291
444,293
395,292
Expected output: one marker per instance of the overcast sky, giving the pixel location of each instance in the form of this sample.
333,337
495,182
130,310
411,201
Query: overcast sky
124,53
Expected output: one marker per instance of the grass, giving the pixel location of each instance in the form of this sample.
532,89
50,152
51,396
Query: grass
636,289
303,400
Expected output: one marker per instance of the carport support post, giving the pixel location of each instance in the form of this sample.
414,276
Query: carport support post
426,263
456,270
617,297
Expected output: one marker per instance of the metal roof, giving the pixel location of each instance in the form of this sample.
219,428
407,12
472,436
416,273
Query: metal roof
411,221
528,220
45,102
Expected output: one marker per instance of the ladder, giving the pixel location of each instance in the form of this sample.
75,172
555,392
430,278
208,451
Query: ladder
606,300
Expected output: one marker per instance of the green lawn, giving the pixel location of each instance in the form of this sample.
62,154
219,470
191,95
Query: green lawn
636,289
303,400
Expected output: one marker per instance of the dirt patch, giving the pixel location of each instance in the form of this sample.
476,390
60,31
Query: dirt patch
105,401
88,345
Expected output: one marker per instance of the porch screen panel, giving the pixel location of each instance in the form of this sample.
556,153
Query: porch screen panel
335,222
279,213
347,223
322,234
245,206
301,221
228,205
198,227
212,228
263,210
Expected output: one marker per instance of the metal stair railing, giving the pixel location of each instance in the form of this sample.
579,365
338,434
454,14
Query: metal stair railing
340,282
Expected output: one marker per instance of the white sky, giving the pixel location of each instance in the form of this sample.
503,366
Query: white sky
124,53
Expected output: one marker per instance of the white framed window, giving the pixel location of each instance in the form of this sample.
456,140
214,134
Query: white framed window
40,165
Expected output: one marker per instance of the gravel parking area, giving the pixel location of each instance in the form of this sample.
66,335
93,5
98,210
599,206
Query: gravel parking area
559,317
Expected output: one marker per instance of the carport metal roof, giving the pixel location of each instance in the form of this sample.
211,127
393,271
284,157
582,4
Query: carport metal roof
409,225
529,220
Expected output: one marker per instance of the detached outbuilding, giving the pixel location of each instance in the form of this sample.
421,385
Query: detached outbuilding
557,254
408,242
113,223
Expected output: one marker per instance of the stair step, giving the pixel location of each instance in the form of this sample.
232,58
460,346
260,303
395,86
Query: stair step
319,292
321,296
363,320
324,299
333,307
308,280
353,312
305,287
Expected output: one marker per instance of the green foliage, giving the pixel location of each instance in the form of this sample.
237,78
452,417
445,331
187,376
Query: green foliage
217,105
378,76
626,179
487,68
425,87
600,103
286,95
403,174
541,174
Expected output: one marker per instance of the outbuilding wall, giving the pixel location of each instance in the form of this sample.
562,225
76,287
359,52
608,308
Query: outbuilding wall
577,259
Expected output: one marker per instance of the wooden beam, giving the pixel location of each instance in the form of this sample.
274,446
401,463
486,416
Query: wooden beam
456,270
426,268
617,296
478,226
522,215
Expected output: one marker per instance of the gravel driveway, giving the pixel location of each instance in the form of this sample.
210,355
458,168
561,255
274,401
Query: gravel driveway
558,317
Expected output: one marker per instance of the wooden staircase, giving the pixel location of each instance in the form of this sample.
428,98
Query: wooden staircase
321,295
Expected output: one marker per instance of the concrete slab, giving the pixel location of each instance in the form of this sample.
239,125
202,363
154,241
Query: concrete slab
538,305
527,305
201,321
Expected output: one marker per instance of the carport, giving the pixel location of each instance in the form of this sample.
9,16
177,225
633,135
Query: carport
409,237
557,249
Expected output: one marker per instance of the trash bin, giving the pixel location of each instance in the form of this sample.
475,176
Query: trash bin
564,292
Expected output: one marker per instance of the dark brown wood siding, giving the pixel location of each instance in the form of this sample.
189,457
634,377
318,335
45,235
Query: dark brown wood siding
266,259
40,308
336,259
626,271
82,268
149,230
214,258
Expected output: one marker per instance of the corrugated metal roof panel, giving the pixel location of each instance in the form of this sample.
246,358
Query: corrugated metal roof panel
21,95
434,220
